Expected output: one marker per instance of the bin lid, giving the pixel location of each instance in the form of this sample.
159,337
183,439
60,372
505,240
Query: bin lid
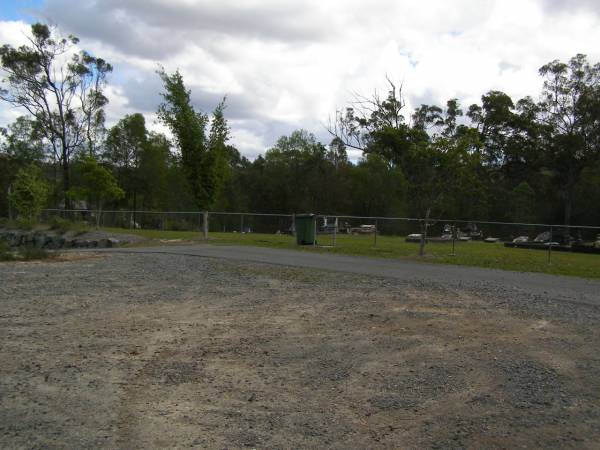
307,215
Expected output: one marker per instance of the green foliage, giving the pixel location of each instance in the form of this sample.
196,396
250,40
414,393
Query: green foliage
587,194
337,154
25,142
97,185
153,173
23,223
63,226
29,193
437,157
217,167
522,203
25,253
61,87
203,160
125,142
5,252
570,112
377,188
496,160
293,176
29,253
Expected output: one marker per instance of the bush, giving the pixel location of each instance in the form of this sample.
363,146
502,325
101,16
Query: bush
5,253
178,225
29,193
63,226
28,253
96,184
25,223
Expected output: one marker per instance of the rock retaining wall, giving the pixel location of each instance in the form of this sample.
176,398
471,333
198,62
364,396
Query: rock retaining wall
53,241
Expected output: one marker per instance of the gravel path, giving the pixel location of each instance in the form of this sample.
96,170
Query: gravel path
551,286
139,350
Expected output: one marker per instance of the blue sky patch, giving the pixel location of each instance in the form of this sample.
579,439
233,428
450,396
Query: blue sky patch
20,9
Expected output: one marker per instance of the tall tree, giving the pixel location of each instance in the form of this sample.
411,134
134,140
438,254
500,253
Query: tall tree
570,108
337,154
216,166
203,159
125,144
153,171
97,185
64,95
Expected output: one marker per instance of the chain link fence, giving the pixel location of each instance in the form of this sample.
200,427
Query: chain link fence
339,230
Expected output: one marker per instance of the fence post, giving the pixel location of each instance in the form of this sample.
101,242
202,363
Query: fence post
375,237
205,224
453,239
241,223
335,225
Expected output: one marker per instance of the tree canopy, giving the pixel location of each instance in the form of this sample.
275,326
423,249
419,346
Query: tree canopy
60,87
534,159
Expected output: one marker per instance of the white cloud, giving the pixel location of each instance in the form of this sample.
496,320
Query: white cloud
252,143
286,65
13,33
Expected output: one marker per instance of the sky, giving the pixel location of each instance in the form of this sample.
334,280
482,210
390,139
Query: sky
285,65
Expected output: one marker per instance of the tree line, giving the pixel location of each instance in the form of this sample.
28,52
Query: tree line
536,159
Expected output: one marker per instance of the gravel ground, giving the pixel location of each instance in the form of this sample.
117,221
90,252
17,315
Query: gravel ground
171,351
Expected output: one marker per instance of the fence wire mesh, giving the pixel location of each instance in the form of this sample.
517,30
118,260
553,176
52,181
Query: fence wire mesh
340,231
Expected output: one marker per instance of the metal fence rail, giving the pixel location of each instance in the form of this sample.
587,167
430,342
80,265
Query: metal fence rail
331,226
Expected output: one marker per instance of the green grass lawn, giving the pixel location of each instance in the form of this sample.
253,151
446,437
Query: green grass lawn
471,253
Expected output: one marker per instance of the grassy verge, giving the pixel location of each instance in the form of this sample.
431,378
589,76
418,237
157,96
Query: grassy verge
473,253
24,253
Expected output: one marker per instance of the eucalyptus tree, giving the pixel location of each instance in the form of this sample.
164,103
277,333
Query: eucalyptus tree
124,146
570,107
60,86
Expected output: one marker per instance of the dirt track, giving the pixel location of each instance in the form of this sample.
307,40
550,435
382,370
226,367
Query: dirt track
162,351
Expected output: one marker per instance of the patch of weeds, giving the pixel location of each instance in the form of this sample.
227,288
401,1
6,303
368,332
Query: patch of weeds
5,252
29,253
25,224
21,223
64,225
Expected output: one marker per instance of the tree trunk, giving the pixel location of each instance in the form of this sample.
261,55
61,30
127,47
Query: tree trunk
134,208
424,233
98,215
56,191
10,216
568,207
66,182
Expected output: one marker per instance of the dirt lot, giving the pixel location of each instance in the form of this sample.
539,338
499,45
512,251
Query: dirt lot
164,351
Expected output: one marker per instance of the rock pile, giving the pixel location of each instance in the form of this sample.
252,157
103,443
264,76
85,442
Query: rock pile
53,241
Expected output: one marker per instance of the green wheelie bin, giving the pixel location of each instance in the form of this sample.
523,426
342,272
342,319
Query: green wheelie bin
306,225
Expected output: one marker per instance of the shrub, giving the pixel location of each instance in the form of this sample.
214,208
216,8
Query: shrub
178,225
25,223
29,253
28,193
96,184
61,225
5,253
